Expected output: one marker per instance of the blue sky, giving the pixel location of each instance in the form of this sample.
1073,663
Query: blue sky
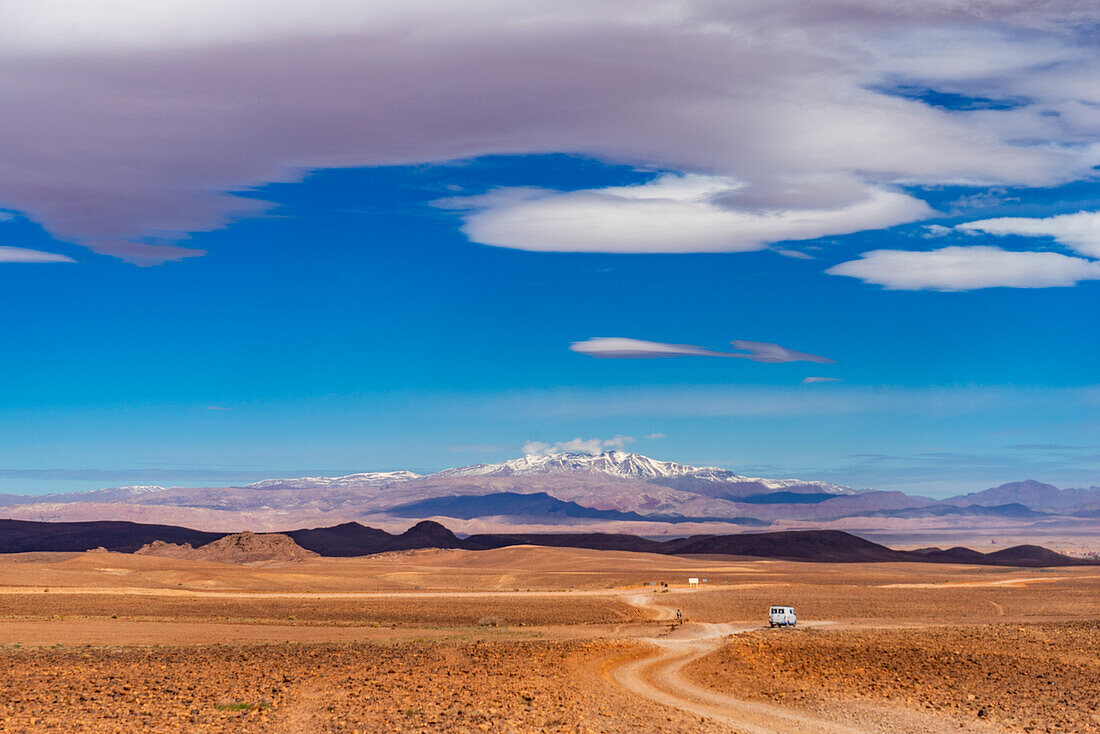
324,300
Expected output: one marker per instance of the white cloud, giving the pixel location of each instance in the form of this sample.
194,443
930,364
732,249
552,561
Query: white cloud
134,118
655,436
812,380
680,213
967,268
796,254
604,347
935,230
613,347
1079,231
577,446
23,255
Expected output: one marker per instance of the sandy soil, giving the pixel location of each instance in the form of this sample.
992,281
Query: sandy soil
537,639
503,569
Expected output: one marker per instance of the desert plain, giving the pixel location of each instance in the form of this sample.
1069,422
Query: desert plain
527,639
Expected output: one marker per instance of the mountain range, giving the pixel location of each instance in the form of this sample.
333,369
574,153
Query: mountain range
614,491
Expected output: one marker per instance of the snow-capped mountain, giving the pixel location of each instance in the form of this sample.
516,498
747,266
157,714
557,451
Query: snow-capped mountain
364,479
107,495
610,463
626,465
137,489
570,490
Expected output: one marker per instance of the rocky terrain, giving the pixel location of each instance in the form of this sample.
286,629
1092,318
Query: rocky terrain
539,639
243,547
1023,677
527,686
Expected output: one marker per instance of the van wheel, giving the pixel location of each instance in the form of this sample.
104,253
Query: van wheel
771,624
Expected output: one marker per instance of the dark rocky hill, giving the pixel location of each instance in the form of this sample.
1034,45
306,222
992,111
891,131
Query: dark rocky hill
18,536
243,548
353,539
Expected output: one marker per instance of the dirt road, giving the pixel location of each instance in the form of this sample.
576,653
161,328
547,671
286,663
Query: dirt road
657,677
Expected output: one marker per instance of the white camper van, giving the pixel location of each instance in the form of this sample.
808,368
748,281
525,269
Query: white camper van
782,617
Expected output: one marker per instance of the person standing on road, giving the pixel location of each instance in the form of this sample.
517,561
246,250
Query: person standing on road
679,616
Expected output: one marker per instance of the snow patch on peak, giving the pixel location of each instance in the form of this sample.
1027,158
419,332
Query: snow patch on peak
624,465
136,489
362,479
611,463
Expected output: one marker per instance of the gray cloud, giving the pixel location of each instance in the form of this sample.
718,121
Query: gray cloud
604,347
129,126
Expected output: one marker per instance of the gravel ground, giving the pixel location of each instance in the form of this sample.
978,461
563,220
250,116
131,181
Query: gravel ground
1031,677
407,687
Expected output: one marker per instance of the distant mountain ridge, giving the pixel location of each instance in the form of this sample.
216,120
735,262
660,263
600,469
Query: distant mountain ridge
613,490
1033,495
353,539
615,464
535,505
362,479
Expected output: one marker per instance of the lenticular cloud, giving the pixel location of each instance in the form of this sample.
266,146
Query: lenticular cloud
23,255
677,213
130,126
604,347
968,268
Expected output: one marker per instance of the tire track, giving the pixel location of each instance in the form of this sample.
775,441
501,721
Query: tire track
657,676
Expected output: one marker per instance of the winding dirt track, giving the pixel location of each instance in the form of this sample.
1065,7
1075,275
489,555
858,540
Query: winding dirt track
658,677
657,673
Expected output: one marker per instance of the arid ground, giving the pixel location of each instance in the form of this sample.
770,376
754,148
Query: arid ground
540,639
